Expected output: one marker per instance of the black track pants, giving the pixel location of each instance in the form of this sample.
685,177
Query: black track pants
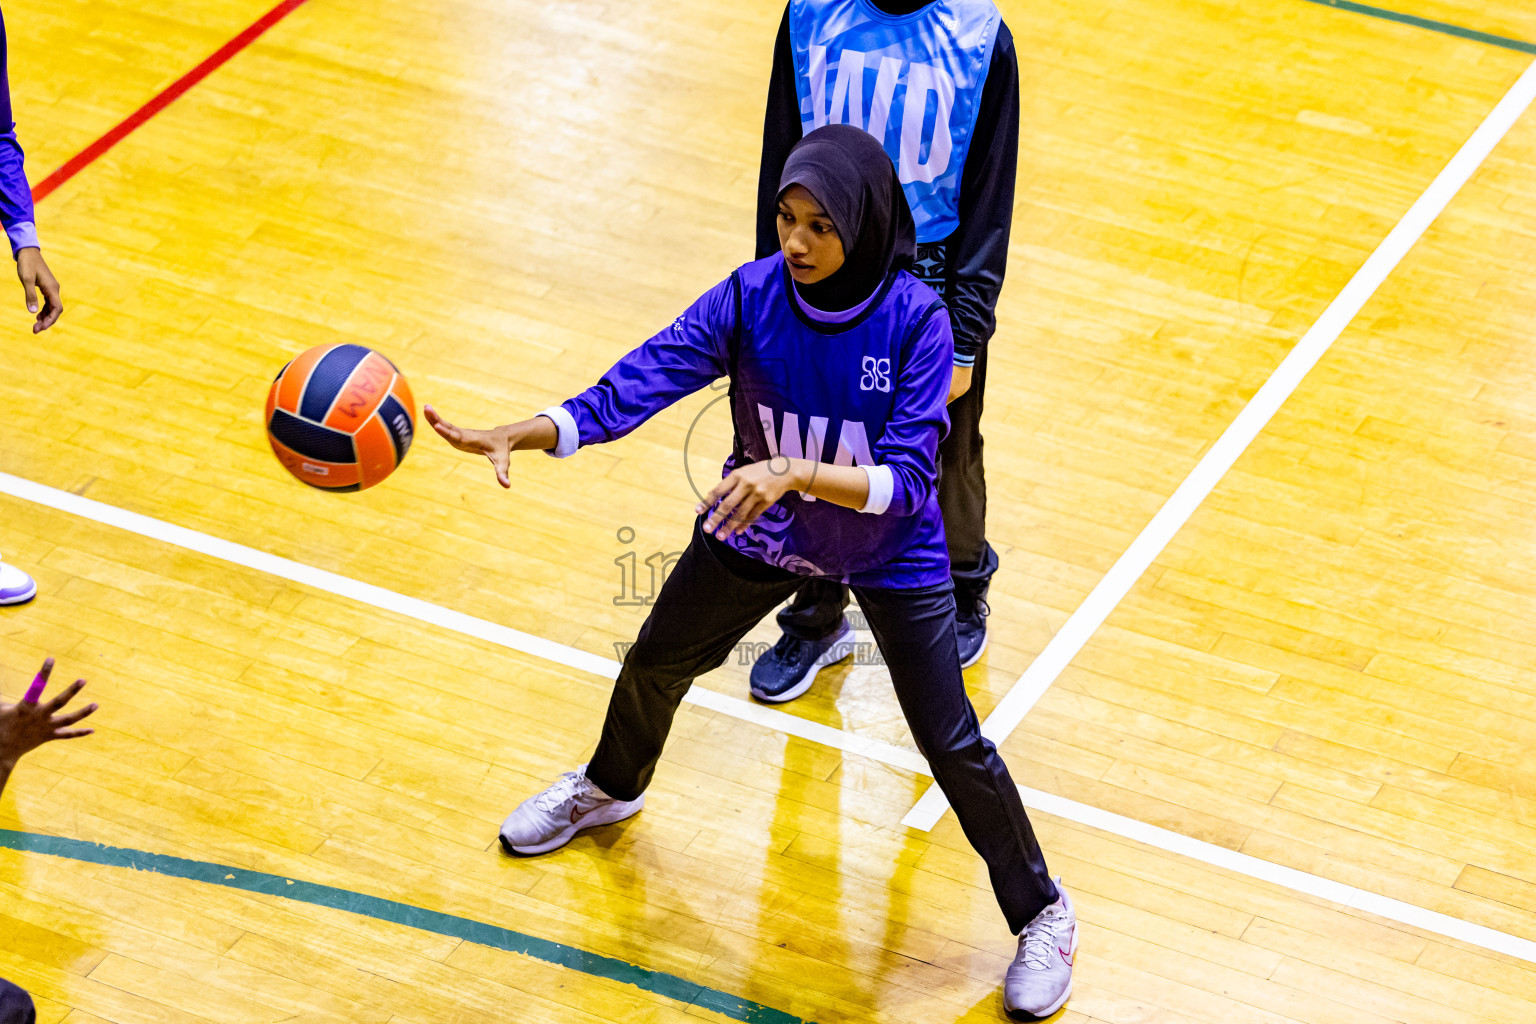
15,1005
709,602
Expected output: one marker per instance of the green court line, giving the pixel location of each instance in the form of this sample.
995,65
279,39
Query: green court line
1443,27
557,953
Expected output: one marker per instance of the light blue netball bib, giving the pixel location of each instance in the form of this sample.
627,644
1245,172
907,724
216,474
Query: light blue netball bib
912,81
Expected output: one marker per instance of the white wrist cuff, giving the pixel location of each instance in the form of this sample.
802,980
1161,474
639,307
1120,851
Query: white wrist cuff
570,437
882,485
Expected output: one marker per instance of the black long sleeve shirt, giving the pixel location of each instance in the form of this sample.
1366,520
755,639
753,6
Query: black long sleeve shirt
975,256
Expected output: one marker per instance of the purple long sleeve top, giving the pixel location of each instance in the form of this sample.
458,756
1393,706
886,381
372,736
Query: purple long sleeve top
16,214
863,389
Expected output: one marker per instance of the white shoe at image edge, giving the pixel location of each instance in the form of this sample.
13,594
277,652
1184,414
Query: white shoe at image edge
1040,977
16,587
552,818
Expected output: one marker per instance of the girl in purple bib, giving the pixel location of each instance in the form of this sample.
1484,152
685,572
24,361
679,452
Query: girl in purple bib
839,360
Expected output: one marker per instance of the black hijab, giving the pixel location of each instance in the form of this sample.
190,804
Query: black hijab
849,174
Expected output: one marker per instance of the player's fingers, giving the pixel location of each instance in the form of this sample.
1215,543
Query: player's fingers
53,306
726,508
501,459
72,734
442,426
447,431
60,721
476,442
53,295
716,492
65,697
35,691
29,287
747,513
47,318
715,501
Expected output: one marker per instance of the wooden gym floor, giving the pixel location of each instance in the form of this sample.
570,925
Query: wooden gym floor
1329,669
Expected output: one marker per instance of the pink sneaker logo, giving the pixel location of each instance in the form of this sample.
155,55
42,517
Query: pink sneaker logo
1065,955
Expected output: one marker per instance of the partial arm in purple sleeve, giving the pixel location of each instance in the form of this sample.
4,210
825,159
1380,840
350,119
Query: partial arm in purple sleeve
15,195
908,452
16,214
675,363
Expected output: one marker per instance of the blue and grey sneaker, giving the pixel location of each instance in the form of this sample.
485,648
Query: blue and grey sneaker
16,587
788,670
971,627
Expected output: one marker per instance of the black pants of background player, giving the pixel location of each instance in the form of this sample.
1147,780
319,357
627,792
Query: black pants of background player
710,600
15,1005
818,606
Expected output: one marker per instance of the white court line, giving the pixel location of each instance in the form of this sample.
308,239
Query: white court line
1111,590
447,618
1279,874
885,753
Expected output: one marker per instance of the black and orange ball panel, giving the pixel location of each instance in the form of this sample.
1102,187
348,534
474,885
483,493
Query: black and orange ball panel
340,417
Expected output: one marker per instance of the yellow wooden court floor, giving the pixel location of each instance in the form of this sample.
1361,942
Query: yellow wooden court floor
1329,669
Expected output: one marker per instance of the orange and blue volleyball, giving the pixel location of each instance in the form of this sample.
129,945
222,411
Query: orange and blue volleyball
340,417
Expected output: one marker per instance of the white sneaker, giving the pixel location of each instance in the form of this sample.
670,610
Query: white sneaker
16,587
1040,977
551,819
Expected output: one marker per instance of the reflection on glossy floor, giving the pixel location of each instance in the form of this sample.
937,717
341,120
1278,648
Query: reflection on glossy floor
1327,669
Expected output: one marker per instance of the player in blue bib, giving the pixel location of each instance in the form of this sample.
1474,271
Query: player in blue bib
840,363
937,84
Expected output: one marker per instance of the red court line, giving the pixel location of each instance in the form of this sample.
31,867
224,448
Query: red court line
75,164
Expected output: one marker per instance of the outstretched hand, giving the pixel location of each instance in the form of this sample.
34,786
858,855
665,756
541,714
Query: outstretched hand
495,444
27,725
36,277
498,443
